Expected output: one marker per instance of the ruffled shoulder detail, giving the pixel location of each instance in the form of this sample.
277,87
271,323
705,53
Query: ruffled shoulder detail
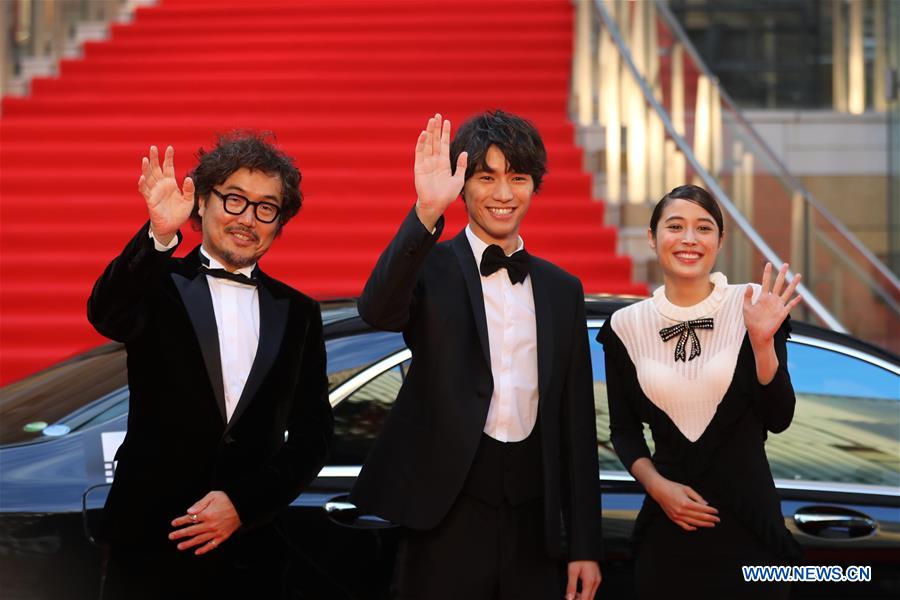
606,336
613,347
626,316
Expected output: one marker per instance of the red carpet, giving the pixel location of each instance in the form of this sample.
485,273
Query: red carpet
346,86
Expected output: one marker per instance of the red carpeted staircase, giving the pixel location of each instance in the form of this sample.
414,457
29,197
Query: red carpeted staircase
345,85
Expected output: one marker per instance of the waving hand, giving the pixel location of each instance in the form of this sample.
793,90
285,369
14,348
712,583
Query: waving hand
169,207
773,305
436,186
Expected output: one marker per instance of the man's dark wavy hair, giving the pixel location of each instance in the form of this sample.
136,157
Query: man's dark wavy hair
517,138
253,150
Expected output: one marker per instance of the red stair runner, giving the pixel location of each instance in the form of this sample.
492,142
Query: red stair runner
346,87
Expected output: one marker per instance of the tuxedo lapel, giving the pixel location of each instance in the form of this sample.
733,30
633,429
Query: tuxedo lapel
195,295
273,314
543,317
469,269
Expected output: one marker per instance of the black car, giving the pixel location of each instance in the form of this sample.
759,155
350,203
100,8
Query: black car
837,467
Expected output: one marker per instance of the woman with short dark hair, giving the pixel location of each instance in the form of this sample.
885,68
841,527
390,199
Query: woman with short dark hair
704,363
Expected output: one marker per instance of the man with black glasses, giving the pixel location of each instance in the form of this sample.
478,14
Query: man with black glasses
229,416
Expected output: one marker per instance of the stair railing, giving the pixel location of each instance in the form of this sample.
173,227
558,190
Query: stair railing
38,33
887,280
635,74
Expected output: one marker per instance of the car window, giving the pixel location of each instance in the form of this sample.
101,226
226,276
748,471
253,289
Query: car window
31,409
609,461
359,417
846,425
349,355
92,388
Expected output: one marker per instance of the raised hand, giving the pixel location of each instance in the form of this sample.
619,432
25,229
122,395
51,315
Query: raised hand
763,318
169,207
436,186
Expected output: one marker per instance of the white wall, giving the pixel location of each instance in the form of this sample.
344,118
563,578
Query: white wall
825,142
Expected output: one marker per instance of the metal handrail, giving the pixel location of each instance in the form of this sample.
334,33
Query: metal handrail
842,256
46,30
808,297
795,184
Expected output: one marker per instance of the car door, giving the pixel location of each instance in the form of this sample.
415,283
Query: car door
346,554
337,551
622,496
50,452
837,467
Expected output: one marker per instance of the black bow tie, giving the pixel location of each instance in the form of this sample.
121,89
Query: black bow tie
517,266
223,274
685,329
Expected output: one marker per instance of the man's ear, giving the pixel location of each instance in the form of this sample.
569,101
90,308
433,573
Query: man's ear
201,205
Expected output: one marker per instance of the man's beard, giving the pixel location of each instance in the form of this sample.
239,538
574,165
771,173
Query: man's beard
236,260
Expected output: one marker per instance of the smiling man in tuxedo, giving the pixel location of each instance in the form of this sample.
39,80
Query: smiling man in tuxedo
229,417
489,456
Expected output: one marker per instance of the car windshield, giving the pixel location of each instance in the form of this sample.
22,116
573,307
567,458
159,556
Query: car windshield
30,407
82,392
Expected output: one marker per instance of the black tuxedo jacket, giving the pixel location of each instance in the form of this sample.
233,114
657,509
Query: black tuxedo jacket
178,446
415,471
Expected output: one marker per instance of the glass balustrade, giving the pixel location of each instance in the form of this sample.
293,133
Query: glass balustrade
666,122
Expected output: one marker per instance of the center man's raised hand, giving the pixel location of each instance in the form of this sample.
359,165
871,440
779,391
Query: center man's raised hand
437,187
169,207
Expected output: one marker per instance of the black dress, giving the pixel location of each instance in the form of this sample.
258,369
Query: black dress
726,465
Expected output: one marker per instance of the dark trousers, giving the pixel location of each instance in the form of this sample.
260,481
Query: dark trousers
245,566
491,545
479,552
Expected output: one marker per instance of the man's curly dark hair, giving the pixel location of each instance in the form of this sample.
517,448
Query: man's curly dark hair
252,150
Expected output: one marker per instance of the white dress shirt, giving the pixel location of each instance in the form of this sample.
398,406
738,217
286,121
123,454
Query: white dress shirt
512,337
236,307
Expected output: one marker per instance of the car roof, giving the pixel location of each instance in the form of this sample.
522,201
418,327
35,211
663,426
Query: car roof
341,315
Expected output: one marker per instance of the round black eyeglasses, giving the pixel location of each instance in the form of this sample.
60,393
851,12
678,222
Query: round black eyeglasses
235,204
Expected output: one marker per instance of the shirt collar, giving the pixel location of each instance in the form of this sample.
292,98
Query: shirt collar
704,308
214,264
479,246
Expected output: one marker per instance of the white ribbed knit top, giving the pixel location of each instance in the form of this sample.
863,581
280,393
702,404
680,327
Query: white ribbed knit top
690,391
